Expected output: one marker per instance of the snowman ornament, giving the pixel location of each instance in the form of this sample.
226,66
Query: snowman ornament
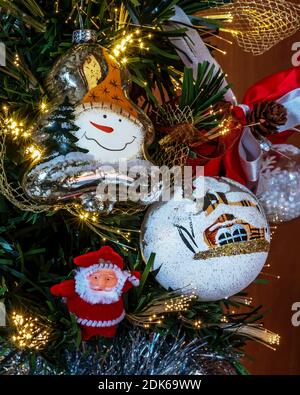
104,130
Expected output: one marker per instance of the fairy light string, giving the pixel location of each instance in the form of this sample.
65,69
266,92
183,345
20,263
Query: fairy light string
18,131
30,332
155,313
130,41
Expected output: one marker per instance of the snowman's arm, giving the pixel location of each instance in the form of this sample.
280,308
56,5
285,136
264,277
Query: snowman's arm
65,289
132,281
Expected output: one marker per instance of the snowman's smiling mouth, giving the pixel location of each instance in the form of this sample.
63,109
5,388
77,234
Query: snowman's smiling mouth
106,148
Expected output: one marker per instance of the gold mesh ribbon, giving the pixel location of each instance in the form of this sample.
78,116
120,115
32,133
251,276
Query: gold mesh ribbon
257,25
173,150
172,154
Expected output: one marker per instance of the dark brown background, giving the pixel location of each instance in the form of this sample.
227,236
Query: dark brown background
278,296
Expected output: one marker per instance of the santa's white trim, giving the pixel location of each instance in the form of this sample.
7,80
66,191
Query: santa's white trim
133,279
100,324
106,297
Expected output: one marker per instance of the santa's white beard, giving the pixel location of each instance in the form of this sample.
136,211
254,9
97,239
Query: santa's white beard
94,297
83,289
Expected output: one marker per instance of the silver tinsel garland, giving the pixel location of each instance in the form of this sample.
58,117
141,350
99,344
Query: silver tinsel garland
134,354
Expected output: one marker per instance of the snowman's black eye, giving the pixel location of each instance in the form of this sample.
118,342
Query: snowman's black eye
104,116
120,120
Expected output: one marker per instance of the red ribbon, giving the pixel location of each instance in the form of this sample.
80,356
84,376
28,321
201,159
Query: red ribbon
270,88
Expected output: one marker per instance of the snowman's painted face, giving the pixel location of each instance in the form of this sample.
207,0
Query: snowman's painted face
109,135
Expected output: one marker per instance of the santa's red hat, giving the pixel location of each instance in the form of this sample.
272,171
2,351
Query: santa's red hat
105,256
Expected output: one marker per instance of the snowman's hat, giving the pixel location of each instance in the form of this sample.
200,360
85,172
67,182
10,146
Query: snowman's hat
110,90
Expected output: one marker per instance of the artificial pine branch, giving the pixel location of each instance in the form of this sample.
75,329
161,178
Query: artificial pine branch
11,8
36,250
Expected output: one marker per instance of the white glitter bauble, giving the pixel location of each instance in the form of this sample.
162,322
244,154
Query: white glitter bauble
279,183
215,245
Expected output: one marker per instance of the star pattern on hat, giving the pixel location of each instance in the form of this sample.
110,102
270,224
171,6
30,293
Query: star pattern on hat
116,98
114,83
93,96
114,66
105,90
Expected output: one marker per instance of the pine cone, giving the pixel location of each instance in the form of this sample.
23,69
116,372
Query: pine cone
269,115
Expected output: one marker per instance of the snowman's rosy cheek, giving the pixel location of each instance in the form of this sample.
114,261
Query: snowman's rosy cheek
105,129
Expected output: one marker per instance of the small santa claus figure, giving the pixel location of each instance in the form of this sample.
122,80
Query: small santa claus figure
95,294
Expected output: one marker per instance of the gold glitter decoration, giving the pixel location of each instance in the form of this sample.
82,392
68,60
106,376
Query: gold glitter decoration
257,25
240,248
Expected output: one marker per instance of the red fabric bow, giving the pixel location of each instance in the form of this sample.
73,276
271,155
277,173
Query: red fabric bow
270,88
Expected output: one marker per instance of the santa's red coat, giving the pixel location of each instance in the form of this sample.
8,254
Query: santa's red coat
92,312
